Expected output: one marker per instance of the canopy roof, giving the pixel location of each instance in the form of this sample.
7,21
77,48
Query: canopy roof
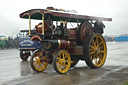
59,15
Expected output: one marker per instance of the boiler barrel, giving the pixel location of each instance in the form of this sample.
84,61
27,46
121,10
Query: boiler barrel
56,44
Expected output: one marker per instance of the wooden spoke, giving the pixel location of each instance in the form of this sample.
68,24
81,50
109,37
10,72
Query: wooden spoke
92,47
92,52
93,43
58,65
102,51
35,65
100,43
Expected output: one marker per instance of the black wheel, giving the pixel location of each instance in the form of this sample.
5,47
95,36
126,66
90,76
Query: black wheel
95,50
62,61
38,61
74,61
23,55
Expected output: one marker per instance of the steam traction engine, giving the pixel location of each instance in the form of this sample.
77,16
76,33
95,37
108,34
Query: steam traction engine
62,46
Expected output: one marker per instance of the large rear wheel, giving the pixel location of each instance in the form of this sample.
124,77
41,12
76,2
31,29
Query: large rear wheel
62,61
38,61
95,50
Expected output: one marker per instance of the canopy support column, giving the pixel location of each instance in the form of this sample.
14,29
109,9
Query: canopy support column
43,24
29,25
77,23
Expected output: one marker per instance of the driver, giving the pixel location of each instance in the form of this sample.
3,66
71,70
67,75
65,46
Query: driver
99,26
47,27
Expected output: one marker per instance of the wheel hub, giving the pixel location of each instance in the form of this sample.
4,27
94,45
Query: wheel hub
62,61
97,50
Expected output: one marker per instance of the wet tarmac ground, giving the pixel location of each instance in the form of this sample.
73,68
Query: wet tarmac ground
14,71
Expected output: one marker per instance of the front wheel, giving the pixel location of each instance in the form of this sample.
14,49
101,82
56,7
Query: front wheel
38,61
62,61
95,50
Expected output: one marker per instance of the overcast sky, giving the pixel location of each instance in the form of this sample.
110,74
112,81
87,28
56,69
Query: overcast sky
11,23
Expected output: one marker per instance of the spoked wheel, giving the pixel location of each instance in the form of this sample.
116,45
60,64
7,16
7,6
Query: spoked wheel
38,61
23,55
62,61
95,51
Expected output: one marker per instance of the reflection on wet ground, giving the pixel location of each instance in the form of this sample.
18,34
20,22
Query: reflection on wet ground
25,68
13,71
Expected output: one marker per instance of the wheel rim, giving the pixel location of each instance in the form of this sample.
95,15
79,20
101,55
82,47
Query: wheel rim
98,50
63,61
38,64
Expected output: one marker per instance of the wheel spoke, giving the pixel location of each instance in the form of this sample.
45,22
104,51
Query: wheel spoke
93,57
92,47
98,56
100,43
40,66
36,58
40,53
58,65
60,68
66,66
100,60
63,56
35,65
34,61
102,51
96,41
58,58
43,63
92,52
93,43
